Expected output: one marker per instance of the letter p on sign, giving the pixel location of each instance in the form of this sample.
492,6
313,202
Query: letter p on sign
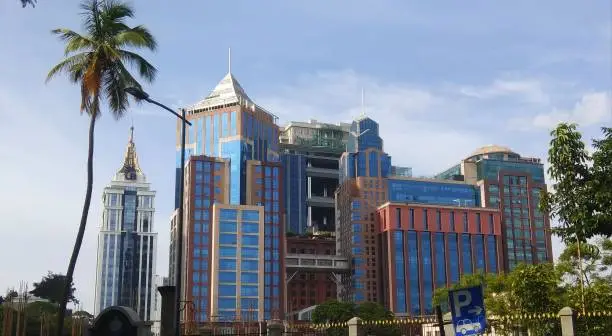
461,299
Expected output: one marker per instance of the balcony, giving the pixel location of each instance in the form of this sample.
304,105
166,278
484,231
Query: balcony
321,201
322,172
316,262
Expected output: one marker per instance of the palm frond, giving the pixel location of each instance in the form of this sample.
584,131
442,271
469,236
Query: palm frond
91,18
113,16
69,65
138,37
116,11
114,82
24,3
145,69
74,41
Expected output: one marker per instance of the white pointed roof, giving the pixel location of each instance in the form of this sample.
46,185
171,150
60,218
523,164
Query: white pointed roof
228,91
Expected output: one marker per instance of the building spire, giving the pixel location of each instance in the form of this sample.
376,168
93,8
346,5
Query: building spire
362,103
130,160
229,60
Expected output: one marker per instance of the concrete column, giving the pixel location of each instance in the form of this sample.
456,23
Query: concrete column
275,328
354,327
167,310
567,321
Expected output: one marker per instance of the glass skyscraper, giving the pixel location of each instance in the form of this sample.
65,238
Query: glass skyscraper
232,267
127,242
363,188
512,184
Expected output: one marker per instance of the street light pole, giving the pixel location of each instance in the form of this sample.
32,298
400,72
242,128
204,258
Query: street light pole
179,237
139,94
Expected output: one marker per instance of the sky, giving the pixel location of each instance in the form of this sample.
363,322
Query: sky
442,78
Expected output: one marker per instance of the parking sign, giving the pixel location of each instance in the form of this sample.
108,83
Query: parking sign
468,311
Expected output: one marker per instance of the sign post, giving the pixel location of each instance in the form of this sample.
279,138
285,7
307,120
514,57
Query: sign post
468,311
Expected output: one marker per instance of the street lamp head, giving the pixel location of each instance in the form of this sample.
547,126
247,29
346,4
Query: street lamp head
137,93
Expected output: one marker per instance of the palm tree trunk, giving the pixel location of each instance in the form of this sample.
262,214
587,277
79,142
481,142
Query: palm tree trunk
79,239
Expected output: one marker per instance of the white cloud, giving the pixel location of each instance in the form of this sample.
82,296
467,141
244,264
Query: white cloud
529,90
409,116
592,109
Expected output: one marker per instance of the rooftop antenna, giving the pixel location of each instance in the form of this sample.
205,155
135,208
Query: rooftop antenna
132,129
362,102
229,60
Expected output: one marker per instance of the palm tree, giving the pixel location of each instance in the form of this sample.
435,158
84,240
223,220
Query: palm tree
28,2
96,61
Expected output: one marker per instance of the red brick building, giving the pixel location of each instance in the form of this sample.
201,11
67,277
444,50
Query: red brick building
309,288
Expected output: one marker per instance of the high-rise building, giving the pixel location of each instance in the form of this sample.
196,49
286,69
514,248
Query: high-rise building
127,242
364,169
310,152
234,232
432,232
513,184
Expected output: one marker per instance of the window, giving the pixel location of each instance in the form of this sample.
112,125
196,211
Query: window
228,214
250,215
438,220
425,219
250,228
227,238
227,303
246,277
398,217
412,218
491,224
227,290
452,221
478,223
227,264
227,227
465,222
227,277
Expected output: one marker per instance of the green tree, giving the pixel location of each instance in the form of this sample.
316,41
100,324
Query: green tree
51,287
596,261
334,311
581,198
372,311
527,289
601,192
96,61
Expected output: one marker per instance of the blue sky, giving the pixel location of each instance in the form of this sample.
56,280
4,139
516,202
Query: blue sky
441,77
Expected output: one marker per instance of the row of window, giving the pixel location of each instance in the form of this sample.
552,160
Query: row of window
437,253
401,220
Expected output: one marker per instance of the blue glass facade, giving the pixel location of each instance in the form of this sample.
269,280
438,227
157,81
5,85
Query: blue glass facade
428,260
429,192
296,191
217,135
239,256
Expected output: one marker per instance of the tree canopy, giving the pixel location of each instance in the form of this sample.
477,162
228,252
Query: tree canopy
581,196
51,287
336,311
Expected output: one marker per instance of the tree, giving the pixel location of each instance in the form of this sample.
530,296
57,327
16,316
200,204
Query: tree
371,311
581,198
596,260
601,197
527,289
96,61
334,311
51,287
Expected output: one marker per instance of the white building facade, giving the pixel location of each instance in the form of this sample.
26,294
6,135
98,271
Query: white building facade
127,242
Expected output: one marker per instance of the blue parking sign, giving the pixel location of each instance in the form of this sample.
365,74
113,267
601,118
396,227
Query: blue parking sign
468,311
